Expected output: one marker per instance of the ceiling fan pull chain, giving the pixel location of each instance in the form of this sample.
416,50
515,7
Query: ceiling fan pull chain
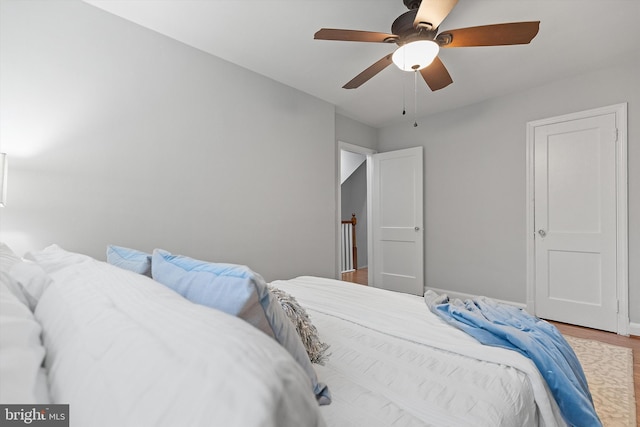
415,99
404,97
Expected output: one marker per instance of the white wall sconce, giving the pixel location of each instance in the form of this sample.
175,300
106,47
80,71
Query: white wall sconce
3,179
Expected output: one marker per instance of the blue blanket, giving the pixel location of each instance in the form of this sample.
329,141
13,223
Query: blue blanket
509,327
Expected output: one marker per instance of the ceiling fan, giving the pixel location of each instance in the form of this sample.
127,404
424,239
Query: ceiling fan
416,34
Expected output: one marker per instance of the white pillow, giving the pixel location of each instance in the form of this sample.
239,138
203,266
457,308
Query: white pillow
21,352
54,258
7,260
24,278
31,279
7,257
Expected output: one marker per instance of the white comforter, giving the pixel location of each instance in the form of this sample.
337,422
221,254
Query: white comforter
124,350
394,363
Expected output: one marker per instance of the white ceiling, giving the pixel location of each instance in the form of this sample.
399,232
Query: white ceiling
275,38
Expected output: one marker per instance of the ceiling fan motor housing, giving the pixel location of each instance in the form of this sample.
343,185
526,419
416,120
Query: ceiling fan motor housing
404,29
412,4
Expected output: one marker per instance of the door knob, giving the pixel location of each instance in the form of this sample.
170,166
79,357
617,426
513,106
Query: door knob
542,233
416,228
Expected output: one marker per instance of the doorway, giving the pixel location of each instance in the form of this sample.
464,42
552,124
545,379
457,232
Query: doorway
394,210
353,199
577,265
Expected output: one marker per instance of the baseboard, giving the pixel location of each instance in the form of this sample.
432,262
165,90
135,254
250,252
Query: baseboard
634,329
463,296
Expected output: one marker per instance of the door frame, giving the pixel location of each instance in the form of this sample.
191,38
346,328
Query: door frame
367,152
622,247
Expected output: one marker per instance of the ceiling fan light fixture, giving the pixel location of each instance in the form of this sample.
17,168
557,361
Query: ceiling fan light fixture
415,55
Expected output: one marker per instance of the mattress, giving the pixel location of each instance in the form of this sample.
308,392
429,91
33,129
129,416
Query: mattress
394,363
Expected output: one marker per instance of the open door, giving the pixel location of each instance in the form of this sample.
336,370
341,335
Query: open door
397,218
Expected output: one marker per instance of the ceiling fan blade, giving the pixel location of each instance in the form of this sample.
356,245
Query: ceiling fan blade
491,35
436,75
354,36
433,12
364,76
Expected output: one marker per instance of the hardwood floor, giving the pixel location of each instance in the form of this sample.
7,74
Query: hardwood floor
361,277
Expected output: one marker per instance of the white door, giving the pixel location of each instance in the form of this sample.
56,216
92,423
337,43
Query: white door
575,221
396,197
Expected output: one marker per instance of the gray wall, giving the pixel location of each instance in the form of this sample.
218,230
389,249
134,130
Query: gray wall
356,133
116,134
354,201
475,182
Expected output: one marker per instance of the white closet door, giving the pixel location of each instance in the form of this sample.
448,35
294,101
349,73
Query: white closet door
575,221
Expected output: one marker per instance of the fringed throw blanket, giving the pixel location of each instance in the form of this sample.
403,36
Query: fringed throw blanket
509,327
308,333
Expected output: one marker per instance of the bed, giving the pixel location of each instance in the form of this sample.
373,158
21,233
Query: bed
123,348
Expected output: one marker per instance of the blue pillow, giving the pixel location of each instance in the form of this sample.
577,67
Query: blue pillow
237,290
129,259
